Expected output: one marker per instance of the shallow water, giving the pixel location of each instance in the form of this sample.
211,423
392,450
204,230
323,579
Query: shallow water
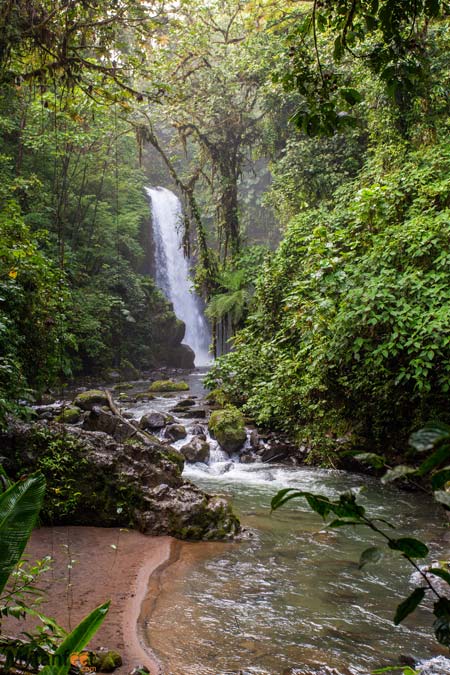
290,595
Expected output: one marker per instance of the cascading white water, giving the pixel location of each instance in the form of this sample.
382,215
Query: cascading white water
172,271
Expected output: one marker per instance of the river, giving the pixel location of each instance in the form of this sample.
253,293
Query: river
290,594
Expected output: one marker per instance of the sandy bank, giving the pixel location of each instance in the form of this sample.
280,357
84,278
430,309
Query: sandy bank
108,564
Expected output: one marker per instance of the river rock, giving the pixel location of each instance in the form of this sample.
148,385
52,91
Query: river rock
199,413
70,415
198,430
174,432
105,421
106,483
197,450
153,420
88,399
183,404
181,356
168,386
227,426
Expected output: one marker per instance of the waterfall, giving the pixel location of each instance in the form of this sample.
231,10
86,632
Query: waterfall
172,270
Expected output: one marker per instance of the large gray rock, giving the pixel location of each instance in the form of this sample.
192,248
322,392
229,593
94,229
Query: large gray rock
181,356
106,483
102,420
175,432
153,420
197,450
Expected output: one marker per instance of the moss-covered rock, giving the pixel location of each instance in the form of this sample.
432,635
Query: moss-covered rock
88,399
70,415
168,385
227,426
93,479
109,661
217,397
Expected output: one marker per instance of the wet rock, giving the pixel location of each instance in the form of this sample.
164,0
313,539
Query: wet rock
108,423
168,385
197,450
138,482
182,404
227,426
70,415
247,458
199,413
174,432
88,399
182,357
153,420
198,430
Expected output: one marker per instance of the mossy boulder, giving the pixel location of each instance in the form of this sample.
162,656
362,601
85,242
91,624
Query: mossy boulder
93,479
70,415
88,399
227,426
109,661
217,397
168,385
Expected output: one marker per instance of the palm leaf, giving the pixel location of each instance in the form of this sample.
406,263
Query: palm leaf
81,634
19,508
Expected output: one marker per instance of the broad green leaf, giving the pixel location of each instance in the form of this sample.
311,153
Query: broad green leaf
341,523
397,472
80,636
413,548
350,95
441,610
427,437
19,508
377,461
440,478
284,496
409,605
373,554
442,497
439,456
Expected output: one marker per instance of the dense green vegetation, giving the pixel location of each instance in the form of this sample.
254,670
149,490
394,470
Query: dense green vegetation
347,334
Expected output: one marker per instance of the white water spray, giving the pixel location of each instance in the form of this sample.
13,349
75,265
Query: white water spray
172,271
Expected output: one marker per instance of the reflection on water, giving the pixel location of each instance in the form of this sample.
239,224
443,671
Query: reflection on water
291,595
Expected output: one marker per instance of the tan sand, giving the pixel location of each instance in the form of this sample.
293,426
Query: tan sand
108,564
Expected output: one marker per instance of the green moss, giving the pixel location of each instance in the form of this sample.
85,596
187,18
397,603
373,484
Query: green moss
145,395
109,661
123,386
168,385
175,457
217,397
227,426
88,399
70,415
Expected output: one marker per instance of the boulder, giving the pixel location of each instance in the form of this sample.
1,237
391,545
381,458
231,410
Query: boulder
174,432
183,404
198,430
128,370
181,356
197,450
105,421
153,420
227,426
199,413
168,385
88,399
106,483
70,415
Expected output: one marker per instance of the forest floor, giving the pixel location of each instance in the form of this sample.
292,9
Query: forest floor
107,564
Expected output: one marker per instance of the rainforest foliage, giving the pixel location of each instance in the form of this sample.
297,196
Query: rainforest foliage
330,116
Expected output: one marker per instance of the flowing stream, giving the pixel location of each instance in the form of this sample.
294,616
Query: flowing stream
290,594
172,270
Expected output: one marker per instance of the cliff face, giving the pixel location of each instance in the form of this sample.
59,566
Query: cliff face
95,479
